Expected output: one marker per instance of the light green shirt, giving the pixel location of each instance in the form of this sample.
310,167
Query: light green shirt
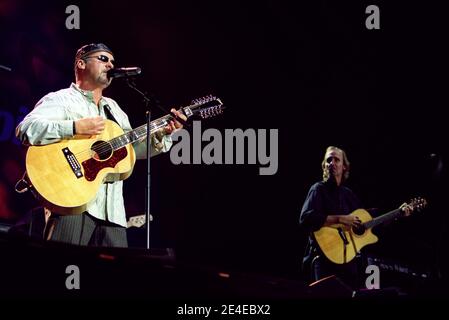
52,119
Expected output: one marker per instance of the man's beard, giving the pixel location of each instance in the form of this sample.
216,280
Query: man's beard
103,80
330,174
330,179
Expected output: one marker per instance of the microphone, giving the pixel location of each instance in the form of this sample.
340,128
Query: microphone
124,72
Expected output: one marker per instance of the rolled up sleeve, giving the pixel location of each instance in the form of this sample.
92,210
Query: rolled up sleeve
46,123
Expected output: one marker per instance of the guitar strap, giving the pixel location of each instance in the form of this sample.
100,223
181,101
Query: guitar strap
108,113
343,237
353,244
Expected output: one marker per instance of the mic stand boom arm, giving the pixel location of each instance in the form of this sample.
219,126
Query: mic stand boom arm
149,101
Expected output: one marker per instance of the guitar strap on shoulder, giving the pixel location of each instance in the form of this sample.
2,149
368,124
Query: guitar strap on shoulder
108,113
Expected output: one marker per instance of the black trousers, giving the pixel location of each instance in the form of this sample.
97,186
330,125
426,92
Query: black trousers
85,230
350,273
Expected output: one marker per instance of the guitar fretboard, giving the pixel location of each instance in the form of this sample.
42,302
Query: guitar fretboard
383,218
205,107
139,132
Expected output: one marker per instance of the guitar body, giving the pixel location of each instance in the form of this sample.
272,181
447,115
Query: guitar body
332,244
67,175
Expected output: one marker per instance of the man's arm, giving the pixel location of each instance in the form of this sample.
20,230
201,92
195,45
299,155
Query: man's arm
313,215
161,140
159,143
46,123
347,220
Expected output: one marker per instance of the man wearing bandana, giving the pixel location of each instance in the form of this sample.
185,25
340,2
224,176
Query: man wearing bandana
81,110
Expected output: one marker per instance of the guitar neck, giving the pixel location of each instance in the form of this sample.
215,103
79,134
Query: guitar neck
139,132
205,107
383,218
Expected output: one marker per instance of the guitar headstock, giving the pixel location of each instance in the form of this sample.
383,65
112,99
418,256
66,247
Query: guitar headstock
417,204
205,107
136,221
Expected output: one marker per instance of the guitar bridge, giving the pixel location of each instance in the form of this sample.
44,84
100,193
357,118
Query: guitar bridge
73,162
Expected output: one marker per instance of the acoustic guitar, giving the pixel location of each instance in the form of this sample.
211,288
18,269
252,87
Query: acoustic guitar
340,243
66,175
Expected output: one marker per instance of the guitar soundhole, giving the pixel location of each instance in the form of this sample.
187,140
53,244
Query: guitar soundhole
102,150
358,230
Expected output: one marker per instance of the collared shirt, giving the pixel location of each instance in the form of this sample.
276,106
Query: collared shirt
52,119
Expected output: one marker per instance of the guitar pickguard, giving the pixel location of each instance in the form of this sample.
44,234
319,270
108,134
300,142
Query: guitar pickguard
93,166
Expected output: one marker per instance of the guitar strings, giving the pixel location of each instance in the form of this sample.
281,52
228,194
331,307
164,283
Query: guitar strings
156,124
106,145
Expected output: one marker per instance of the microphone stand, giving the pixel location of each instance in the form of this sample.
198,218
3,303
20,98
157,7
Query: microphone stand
148,102
148,196
156,103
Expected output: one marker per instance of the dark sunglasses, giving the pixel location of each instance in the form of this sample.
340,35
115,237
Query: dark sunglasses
102,58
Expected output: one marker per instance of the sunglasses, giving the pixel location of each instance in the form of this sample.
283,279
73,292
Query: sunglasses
102,58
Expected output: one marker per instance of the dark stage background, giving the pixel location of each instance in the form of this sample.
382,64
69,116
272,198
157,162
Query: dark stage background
310,69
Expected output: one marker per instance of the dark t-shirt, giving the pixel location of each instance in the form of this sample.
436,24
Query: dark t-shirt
323,199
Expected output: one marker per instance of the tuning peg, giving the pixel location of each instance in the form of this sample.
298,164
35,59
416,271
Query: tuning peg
204,99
